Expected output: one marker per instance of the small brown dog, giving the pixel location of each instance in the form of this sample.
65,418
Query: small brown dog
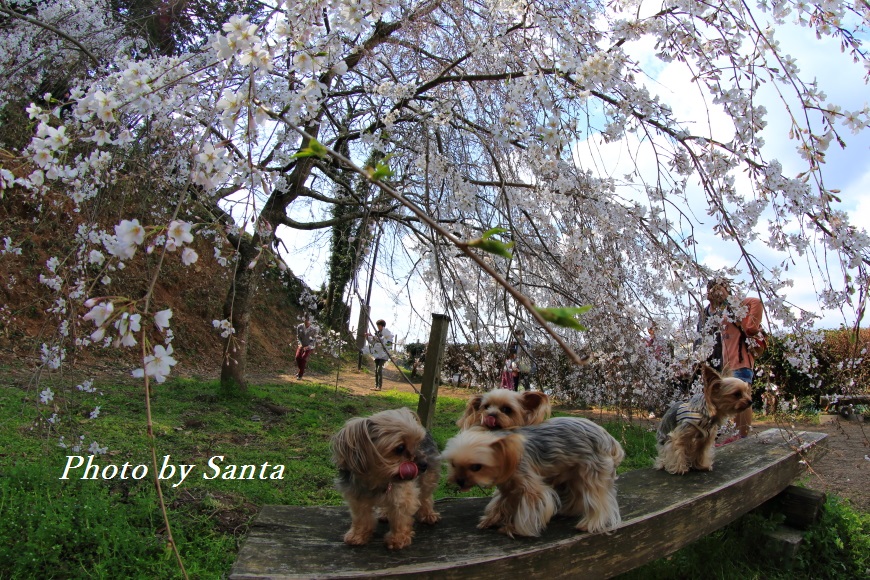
687,433
387,462
566,465
504,409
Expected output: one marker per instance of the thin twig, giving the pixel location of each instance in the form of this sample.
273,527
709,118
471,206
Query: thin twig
153,445
6,10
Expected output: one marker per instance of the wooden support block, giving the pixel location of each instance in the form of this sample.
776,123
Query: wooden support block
801,507
661,513
781,546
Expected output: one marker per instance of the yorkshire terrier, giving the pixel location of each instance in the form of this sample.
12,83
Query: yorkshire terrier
687,433
504,409
565,466
390,463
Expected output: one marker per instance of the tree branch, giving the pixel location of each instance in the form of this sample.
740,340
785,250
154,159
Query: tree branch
6,10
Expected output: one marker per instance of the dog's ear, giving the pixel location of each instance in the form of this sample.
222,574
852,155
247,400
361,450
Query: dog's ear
509,452
537,407
712,383
352,446
414,415
467,420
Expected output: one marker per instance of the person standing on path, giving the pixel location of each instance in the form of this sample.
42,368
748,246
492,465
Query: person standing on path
525,364
732,323
306,336
381,343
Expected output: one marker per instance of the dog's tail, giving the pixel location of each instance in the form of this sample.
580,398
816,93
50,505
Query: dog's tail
617,453
613,449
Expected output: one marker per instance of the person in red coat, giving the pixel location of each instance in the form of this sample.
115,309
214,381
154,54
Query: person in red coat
734,325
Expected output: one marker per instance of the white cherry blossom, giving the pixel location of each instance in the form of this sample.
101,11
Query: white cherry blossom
161,319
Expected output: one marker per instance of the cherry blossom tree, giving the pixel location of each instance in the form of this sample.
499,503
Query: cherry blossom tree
466,116
475,133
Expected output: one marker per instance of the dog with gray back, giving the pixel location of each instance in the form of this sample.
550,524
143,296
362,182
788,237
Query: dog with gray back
566,466
687,434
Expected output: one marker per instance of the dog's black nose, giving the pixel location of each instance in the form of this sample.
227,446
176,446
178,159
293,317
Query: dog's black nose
422,466
460,483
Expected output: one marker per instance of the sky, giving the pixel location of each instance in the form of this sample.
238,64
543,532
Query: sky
847,170
389,298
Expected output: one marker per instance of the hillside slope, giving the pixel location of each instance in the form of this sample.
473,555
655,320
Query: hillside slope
30,235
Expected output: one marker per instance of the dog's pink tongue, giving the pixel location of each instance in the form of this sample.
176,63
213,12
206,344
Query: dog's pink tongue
491,421
408,470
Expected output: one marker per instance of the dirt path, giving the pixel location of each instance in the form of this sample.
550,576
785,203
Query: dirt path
363,382
845,469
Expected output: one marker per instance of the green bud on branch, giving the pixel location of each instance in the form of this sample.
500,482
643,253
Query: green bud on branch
564,316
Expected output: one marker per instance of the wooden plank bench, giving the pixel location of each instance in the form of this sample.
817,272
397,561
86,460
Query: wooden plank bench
661,513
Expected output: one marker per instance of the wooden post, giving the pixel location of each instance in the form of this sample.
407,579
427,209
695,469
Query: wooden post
432,370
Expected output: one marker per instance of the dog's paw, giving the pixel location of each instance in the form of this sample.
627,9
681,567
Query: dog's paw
507,530
597,525
356,538
488,522
679,470
430,517
397,541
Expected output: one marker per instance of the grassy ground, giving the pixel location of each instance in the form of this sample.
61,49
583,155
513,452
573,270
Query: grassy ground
112,528
53,528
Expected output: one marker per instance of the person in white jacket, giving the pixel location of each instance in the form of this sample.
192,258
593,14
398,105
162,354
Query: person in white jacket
381,342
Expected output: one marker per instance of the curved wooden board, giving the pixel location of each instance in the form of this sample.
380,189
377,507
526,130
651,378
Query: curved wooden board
661,513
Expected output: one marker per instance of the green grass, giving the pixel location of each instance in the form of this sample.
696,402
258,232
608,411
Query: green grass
52,528
837,547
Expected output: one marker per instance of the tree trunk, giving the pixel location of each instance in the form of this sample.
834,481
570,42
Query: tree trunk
237,309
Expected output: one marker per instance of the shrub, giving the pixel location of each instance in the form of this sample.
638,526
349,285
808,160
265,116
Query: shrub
836,547
839,545
841,367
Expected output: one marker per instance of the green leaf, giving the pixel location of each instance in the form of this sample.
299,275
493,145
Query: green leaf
314,149
492,246
491,232
382,171
564,316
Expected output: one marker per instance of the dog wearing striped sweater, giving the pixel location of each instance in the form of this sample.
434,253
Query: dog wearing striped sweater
687,433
